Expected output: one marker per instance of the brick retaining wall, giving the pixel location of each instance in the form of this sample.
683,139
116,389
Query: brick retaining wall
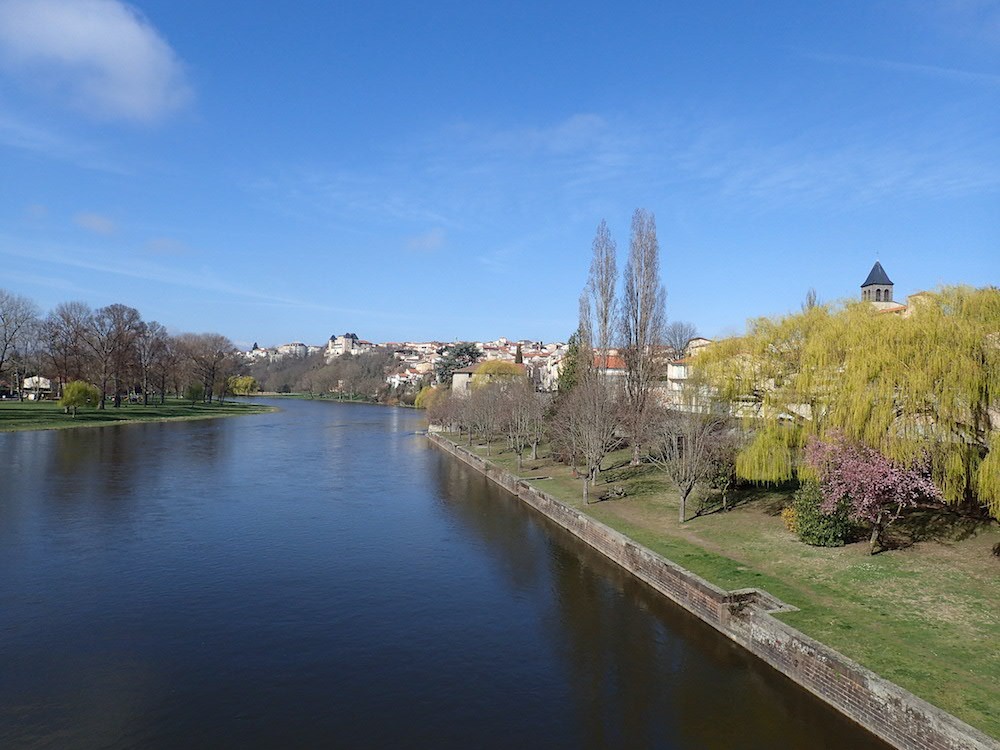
894,714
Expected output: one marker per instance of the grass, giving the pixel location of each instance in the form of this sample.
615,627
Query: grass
48,415
925,614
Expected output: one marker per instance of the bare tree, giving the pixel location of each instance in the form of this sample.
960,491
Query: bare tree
588,420
686,448
212,358
485,412
591,419
25,355
63,335
445,411
524,418
168,367
642,328
110,337
811,300
598,307
125,324
17,315
150,346
676,336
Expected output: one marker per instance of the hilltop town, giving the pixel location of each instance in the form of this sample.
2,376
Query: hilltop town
414,362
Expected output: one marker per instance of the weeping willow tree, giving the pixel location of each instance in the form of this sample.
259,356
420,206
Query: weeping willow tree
922,387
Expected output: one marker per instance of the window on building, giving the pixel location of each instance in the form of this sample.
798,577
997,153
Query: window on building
878,295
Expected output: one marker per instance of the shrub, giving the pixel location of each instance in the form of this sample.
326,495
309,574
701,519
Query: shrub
194,392
427,396
815,527
788,515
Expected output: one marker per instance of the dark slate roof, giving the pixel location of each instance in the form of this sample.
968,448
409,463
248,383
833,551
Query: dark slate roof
877,276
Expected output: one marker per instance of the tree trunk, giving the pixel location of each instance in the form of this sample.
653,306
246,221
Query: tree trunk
684,497
519,461
636,458
586,489
875,543
534,451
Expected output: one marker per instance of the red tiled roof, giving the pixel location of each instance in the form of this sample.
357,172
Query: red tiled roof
609,363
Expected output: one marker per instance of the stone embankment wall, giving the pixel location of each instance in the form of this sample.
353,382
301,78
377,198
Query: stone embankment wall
882,707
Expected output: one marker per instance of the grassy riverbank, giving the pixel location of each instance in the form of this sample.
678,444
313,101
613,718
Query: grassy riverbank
48,415
924,615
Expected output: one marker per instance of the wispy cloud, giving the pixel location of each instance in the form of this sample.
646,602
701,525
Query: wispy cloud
863,165
102,56
463,175
971,19
427,242
18,133
934,71
204,280
165,246
95,223
527,180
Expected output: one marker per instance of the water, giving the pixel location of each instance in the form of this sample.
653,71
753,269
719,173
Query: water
323,577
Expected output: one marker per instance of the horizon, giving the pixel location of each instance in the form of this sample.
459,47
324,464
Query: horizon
438,173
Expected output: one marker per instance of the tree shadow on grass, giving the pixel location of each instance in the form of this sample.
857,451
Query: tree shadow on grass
770,498
934,524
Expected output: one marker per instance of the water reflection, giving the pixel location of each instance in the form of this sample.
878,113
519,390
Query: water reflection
642,672
323,577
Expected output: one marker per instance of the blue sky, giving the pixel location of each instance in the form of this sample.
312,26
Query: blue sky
286,171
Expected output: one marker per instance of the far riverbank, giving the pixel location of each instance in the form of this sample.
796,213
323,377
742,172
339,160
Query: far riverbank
17,416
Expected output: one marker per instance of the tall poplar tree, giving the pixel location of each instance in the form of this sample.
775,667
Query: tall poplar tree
592,410
643,317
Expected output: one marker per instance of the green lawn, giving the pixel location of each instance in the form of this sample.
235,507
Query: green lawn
925,615
48,415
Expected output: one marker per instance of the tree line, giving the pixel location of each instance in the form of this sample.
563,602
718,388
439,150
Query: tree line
112,348
355,376
873,414
610,385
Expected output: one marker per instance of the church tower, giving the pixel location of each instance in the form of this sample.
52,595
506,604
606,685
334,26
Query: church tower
877,287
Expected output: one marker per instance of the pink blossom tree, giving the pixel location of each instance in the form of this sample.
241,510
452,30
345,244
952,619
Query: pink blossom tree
876,488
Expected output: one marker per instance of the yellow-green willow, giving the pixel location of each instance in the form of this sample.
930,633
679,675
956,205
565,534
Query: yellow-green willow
924,384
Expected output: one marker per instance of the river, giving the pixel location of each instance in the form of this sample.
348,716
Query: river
324,577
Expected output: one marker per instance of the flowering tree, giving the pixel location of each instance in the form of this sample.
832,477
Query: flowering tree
876,488
919,388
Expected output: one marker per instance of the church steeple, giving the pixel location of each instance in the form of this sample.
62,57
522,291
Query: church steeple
877,287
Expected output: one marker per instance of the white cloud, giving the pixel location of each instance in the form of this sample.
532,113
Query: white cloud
95,223
102,55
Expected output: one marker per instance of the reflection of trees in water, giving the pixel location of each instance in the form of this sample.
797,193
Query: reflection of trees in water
109,465
514,538
642,672
606,641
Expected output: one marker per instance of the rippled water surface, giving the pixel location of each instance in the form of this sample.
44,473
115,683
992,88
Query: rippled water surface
323,577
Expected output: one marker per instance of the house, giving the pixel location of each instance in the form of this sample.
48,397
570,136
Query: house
461,379
36,387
